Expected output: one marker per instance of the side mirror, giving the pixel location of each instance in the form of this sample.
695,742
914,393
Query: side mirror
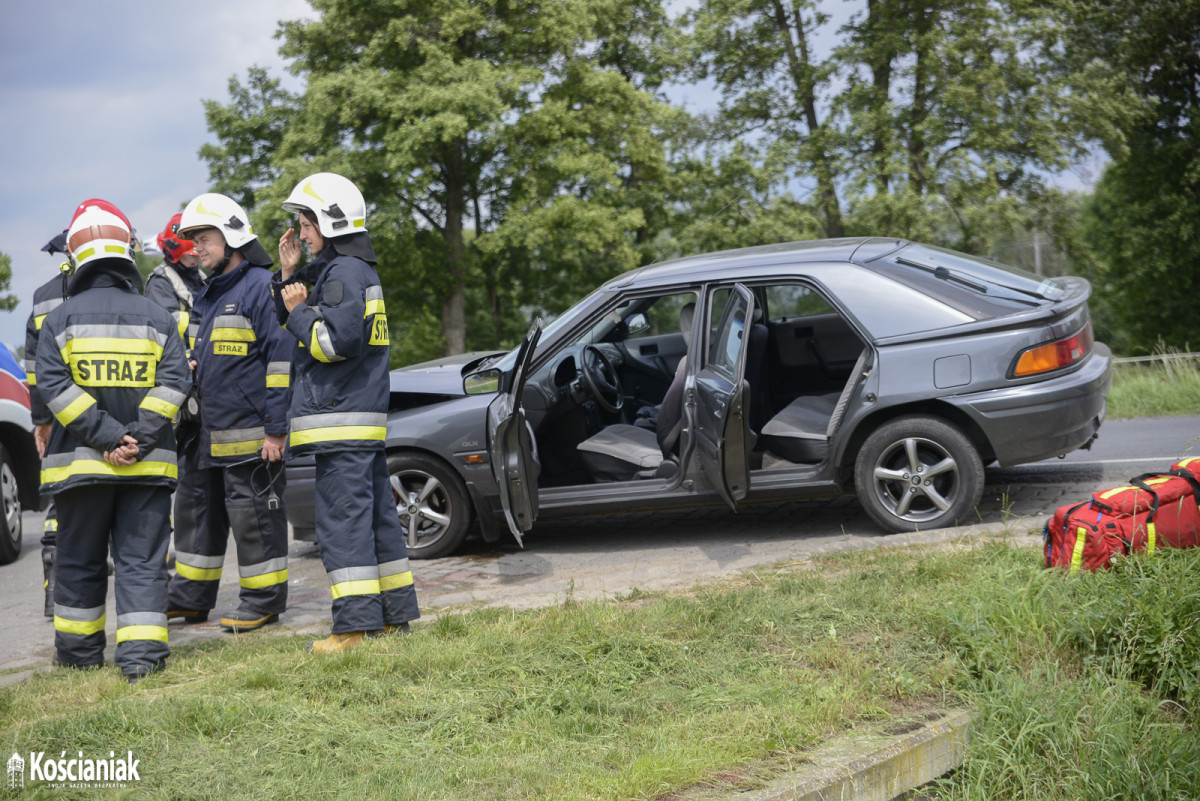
485,382
636,323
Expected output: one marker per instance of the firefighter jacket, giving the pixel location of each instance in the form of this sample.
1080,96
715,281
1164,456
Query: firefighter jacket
109,363
46,298
340,382
243,365
174,287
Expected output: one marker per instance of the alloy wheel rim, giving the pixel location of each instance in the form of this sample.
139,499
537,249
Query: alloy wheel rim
423,506
916,479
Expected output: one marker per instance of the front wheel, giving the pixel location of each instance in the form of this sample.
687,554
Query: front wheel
432,503
917,473
10,509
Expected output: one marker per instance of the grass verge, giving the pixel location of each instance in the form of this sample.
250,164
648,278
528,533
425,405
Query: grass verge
1155,389
649,696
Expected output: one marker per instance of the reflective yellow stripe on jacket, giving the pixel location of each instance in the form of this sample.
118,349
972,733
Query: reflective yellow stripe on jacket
279,374
237,441
56,467
339,427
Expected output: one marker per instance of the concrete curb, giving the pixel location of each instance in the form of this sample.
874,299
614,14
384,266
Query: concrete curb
876,767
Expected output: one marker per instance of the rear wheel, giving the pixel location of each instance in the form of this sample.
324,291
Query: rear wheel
432,503
918,472
10,509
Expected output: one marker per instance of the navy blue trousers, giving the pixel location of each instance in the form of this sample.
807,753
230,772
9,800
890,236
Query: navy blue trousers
362,543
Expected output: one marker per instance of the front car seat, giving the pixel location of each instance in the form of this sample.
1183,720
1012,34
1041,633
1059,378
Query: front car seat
622,452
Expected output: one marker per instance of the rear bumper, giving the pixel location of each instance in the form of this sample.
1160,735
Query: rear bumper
1044,419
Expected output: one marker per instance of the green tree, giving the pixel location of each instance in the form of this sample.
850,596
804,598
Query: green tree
1144,221
485,123
250,131
7,302
760,54
960,107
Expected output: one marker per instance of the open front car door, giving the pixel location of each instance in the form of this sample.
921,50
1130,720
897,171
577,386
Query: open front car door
510,443
722,398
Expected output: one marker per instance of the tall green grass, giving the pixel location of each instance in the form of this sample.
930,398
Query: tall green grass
1160,388
1087,686
656,695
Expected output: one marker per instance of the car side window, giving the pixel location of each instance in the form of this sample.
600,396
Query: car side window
726,329
662,317
789,301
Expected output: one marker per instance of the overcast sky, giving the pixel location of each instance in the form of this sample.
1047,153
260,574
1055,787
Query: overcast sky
104,100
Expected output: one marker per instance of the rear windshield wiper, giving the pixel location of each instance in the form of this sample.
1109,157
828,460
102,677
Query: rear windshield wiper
946,275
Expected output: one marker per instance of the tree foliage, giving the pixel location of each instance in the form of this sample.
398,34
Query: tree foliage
515,154
7,302
1144,220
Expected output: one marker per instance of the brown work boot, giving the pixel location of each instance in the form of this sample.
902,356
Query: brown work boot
402,628
336,643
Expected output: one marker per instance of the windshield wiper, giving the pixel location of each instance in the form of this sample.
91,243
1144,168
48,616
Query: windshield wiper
946,275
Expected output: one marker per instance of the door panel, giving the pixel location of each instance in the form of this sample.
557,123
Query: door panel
719,392
510,445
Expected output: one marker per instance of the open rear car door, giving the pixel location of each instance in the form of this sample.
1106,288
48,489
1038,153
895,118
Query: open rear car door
723,400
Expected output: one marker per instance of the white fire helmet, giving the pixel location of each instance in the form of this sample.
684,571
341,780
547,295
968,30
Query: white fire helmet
212,210
336,202
99,231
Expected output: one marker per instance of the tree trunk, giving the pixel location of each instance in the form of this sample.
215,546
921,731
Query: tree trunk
918,155
454,321
806,94
881,79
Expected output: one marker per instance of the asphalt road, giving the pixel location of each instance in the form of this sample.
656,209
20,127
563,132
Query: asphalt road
599,557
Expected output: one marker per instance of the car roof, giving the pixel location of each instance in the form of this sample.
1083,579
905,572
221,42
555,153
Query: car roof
725,262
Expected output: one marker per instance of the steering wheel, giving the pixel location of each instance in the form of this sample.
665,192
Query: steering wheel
602,379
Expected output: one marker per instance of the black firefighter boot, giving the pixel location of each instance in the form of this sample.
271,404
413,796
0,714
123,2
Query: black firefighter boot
48,552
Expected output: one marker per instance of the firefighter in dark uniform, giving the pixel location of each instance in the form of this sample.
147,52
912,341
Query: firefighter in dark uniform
175,283
242,379
48,297
112,371
339,409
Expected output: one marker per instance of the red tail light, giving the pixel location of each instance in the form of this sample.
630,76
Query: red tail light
1055,355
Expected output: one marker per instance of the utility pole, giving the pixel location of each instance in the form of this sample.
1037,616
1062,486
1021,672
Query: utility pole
1037,251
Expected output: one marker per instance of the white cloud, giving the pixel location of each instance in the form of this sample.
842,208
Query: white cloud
105,100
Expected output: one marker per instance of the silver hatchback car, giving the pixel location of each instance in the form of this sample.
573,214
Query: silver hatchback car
884,367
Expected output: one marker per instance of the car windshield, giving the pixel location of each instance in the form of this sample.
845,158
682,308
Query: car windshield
974,285
506,361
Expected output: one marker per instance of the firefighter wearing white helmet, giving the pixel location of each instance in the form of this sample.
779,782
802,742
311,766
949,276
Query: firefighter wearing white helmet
339,408
233,475
112,372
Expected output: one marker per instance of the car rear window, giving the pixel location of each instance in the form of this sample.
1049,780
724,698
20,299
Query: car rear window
973,285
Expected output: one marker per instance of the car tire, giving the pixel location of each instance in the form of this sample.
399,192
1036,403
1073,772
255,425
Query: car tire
893,469
431,497
10,509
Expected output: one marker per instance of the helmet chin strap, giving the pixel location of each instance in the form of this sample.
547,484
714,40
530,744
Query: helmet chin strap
223,263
